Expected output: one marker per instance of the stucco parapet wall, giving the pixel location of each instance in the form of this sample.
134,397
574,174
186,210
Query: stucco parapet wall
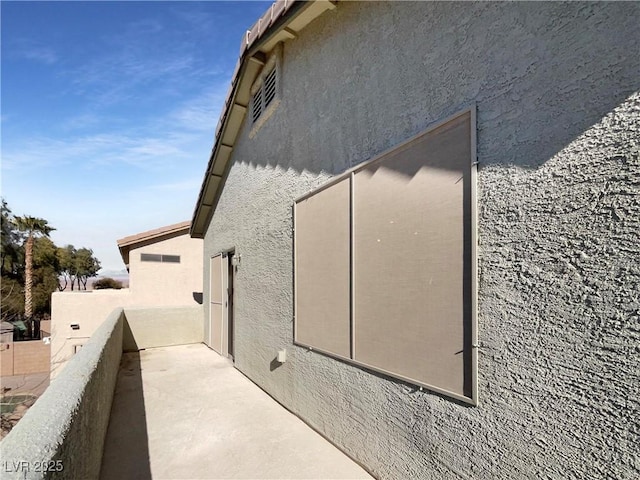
62,435
147,327
100,291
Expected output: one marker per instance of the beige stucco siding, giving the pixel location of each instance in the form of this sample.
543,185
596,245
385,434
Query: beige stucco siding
558,122
170,283
152,284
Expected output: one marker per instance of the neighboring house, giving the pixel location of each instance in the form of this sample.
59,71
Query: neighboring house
431,211
163,264
165,270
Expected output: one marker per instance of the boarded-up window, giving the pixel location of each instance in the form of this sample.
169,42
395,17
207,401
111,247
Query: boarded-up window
323,269
385,262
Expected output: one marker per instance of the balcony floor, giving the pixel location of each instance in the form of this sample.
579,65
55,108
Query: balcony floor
185,412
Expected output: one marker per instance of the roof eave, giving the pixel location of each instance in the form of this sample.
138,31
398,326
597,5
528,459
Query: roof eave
126,244
280,23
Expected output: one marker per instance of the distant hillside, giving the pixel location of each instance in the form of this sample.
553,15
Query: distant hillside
121,276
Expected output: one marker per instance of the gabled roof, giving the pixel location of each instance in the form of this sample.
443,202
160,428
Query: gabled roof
281,22
151,236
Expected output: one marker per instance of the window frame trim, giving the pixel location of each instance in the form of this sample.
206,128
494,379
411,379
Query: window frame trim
161,255
471,109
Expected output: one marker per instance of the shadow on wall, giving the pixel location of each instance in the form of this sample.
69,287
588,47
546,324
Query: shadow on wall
536,142
274,364
126,448
532,102
129,343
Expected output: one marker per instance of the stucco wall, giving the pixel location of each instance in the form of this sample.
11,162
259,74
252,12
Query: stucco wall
87,310
152,284
62,435
161,327
152,324
558,148
173,283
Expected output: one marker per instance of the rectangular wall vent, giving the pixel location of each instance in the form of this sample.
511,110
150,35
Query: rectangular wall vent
156,257
269,87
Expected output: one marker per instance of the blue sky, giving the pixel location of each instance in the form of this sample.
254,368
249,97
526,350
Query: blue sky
109,111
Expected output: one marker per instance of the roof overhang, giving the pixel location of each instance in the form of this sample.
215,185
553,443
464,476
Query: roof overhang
126,244
283,21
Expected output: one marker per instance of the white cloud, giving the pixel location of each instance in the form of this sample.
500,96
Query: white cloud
146,152
42,54
201,112
29,50
141,56
132,157
117,77
81,121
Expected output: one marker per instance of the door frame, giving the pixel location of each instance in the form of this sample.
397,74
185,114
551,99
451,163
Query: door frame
227,320
212,326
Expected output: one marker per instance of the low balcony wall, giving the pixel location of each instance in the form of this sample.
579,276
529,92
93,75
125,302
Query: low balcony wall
162,327
165,323
86,310
62,435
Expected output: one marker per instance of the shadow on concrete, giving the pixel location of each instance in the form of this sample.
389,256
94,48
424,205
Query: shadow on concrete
126,447
128,340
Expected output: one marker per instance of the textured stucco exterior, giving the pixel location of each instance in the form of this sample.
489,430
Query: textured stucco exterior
152,284
62,435
558,126
174,283
161,327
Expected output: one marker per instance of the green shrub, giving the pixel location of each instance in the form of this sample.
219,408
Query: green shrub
107,283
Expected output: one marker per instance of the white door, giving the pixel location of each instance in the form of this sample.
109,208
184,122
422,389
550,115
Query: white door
216,302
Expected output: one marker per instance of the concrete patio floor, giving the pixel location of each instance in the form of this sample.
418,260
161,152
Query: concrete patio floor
185,412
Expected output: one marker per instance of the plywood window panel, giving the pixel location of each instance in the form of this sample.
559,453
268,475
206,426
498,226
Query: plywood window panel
412,259
385,262
322,279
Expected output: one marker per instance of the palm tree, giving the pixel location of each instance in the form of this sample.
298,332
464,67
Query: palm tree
33,227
